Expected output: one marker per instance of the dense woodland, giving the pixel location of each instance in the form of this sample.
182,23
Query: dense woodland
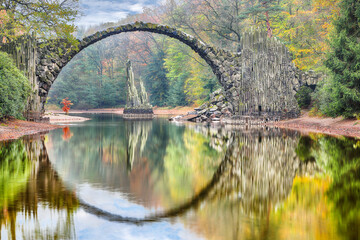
322,35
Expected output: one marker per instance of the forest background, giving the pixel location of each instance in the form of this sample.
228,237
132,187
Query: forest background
174,75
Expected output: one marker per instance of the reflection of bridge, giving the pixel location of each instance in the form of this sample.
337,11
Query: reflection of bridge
257,171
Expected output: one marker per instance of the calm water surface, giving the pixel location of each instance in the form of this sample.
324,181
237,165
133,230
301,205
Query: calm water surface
113,179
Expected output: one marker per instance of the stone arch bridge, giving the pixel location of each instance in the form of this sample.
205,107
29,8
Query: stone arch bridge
261,80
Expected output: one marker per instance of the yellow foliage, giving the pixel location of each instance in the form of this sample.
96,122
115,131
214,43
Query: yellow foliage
306,28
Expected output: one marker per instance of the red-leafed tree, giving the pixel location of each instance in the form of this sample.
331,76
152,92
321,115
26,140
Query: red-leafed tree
67,103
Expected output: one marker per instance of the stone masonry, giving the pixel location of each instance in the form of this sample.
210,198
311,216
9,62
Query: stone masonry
259,79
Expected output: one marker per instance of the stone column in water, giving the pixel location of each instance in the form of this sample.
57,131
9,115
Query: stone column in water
137,106
132,94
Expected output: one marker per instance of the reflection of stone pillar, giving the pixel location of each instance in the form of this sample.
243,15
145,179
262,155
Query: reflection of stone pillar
136,107
137,133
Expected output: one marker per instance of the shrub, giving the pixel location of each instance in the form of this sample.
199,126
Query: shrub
14,89
303,96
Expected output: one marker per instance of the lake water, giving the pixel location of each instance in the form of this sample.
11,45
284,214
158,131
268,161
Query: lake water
113,179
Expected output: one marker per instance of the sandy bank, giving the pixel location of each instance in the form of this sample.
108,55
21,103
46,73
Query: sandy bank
62,118
14,129
330,126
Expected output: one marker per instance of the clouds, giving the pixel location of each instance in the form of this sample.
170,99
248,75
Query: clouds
101,11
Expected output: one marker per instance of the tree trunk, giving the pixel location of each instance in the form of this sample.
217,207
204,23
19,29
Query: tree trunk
269,30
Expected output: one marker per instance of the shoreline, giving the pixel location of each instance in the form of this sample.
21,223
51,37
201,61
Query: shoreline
329,126
15,129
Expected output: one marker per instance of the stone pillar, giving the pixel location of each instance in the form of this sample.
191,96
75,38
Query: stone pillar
136,107
24,53
132,99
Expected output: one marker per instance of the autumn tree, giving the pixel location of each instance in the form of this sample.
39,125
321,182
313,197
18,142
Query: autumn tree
67,103
45,19
305,27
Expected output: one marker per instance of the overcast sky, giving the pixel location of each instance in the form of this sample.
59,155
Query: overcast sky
100,11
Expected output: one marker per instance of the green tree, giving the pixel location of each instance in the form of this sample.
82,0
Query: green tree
343,89
176,95
303,96
178,71
155,79
14,89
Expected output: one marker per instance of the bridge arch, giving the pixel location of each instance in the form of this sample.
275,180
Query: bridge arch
51,60
259,82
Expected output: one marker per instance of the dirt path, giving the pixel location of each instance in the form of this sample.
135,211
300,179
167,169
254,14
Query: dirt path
330,126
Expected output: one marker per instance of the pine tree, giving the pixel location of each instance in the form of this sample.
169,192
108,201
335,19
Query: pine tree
176,95
156,81
344,62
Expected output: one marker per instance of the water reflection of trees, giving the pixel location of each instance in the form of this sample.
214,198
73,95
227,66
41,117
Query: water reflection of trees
32,185
271,192
340,158
265,178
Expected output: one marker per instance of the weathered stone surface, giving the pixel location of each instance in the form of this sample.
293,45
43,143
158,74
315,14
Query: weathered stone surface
132,99
144,98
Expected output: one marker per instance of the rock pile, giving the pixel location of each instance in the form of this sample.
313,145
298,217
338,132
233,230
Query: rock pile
215,110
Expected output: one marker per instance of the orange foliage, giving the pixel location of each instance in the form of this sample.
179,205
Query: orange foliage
67,103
